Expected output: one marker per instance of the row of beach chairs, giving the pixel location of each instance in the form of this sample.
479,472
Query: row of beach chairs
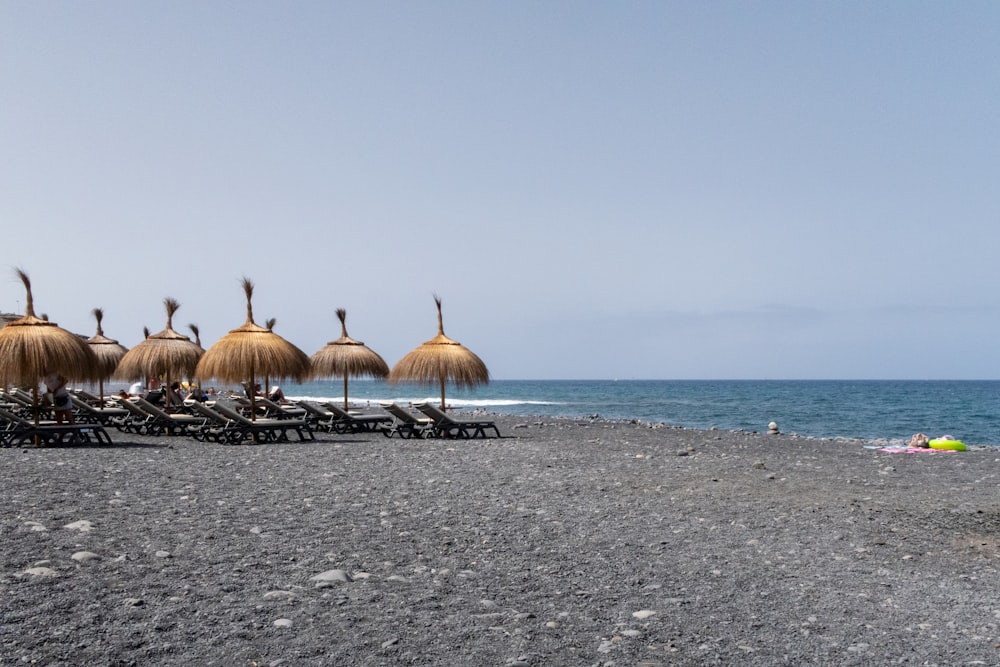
20,426
228,421
398,421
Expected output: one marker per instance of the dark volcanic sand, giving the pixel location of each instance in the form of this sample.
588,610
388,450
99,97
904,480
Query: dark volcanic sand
564,543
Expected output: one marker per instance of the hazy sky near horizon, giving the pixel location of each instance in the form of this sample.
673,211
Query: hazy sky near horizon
595,190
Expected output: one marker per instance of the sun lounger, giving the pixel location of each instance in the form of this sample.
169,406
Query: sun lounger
144,418
26,404
19,431
137,421
277,410
447,427
86,412
318,416
87,396
265,429
168,422
347,422
405,424
218,428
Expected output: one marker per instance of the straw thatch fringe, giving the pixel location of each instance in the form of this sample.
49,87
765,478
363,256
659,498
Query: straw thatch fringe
30,347
346,357
441,360
167,353
108,351
252,351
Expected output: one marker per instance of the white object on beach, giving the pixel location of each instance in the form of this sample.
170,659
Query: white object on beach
82,526
331,575
84,556
773,426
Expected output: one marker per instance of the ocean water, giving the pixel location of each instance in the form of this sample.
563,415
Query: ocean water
868,409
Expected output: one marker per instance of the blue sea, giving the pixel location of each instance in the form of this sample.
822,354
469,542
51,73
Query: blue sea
867,409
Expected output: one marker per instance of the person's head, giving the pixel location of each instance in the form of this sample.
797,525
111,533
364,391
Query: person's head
176,386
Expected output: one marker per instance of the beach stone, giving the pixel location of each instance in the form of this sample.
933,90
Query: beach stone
84,556
331,576
163,554
35,526
643,613
278,595
132,602
82,526
41,572
283,623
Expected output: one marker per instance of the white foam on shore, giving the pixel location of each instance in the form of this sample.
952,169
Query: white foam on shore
459,402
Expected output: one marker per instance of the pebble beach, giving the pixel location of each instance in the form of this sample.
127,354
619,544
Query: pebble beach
565,542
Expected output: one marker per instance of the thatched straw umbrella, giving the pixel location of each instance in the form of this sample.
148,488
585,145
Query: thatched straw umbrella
167,353
31,347
438,360
346,356
108,351
251,351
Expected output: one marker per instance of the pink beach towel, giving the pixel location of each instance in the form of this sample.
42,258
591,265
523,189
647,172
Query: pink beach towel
914,450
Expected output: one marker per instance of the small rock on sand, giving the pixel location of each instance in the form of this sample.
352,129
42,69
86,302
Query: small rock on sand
331,575
84,556
82,526
41,572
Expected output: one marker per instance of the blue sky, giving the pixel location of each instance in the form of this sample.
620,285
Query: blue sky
595,190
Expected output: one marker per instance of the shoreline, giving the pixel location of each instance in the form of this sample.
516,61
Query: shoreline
565,542
868,409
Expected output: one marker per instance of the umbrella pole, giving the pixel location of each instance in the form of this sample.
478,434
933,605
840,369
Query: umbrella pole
253,397
345,390
34,398
442,393
100,384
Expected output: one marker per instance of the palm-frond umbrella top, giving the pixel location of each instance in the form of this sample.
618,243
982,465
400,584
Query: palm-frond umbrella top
347,357
109,352
31,347
252,351
167,353
440,360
